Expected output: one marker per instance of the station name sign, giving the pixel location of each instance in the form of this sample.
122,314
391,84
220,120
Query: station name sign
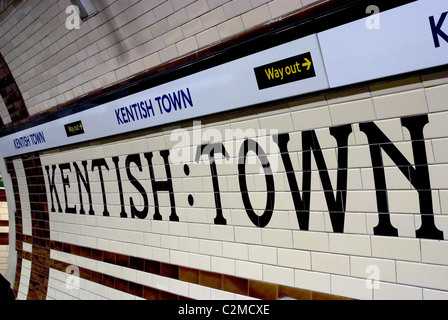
191,97
32,139
415,35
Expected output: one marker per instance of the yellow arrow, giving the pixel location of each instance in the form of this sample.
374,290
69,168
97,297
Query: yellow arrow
307,64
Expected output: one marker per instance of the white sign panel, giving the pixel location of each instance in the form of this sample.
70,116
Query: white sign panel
225,87
408,38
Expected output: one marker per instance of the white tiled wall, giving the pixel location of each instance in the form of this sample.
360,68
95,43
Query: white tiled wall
4,249
53,64
3,259
4,114
24,197
62,288
25,275
356,264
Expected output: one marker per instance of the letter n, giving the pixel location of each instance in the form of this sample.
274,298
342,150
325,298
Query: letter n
417,175
86,183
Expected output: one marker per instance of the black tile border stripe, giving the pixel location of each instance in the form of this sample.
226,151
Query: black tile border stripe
40,221
18,226
4,238
11,94
126,286
223,282
2,195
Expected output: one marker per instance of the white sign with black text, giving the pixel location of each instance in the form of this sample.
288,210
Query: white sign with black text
409,38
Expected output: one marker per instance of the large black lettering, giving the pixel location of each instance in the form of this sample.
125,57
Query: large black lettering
437,29
210,149
162,185
99,163
417,175
52,186
262,220
135,158
336,203
116,161
86,184
301,202
65,184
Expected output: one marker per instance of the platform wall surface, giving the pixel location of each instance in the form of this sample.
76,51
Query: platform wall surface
139,211
339,193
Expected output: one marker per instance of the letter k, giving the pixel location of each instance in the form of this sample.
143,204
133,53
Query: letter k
117,114
437,29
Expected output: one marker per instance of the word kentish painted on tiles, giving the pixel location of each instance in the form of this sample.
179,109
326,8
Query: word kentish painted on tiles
29,140
166,103
335,196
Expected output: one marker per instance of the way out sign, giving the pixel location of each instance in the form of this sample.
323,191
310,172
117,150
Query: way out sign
285,71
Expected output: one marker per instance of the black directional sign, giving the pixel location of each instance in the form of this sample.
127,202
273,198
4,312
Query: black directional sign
285,71
74,128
